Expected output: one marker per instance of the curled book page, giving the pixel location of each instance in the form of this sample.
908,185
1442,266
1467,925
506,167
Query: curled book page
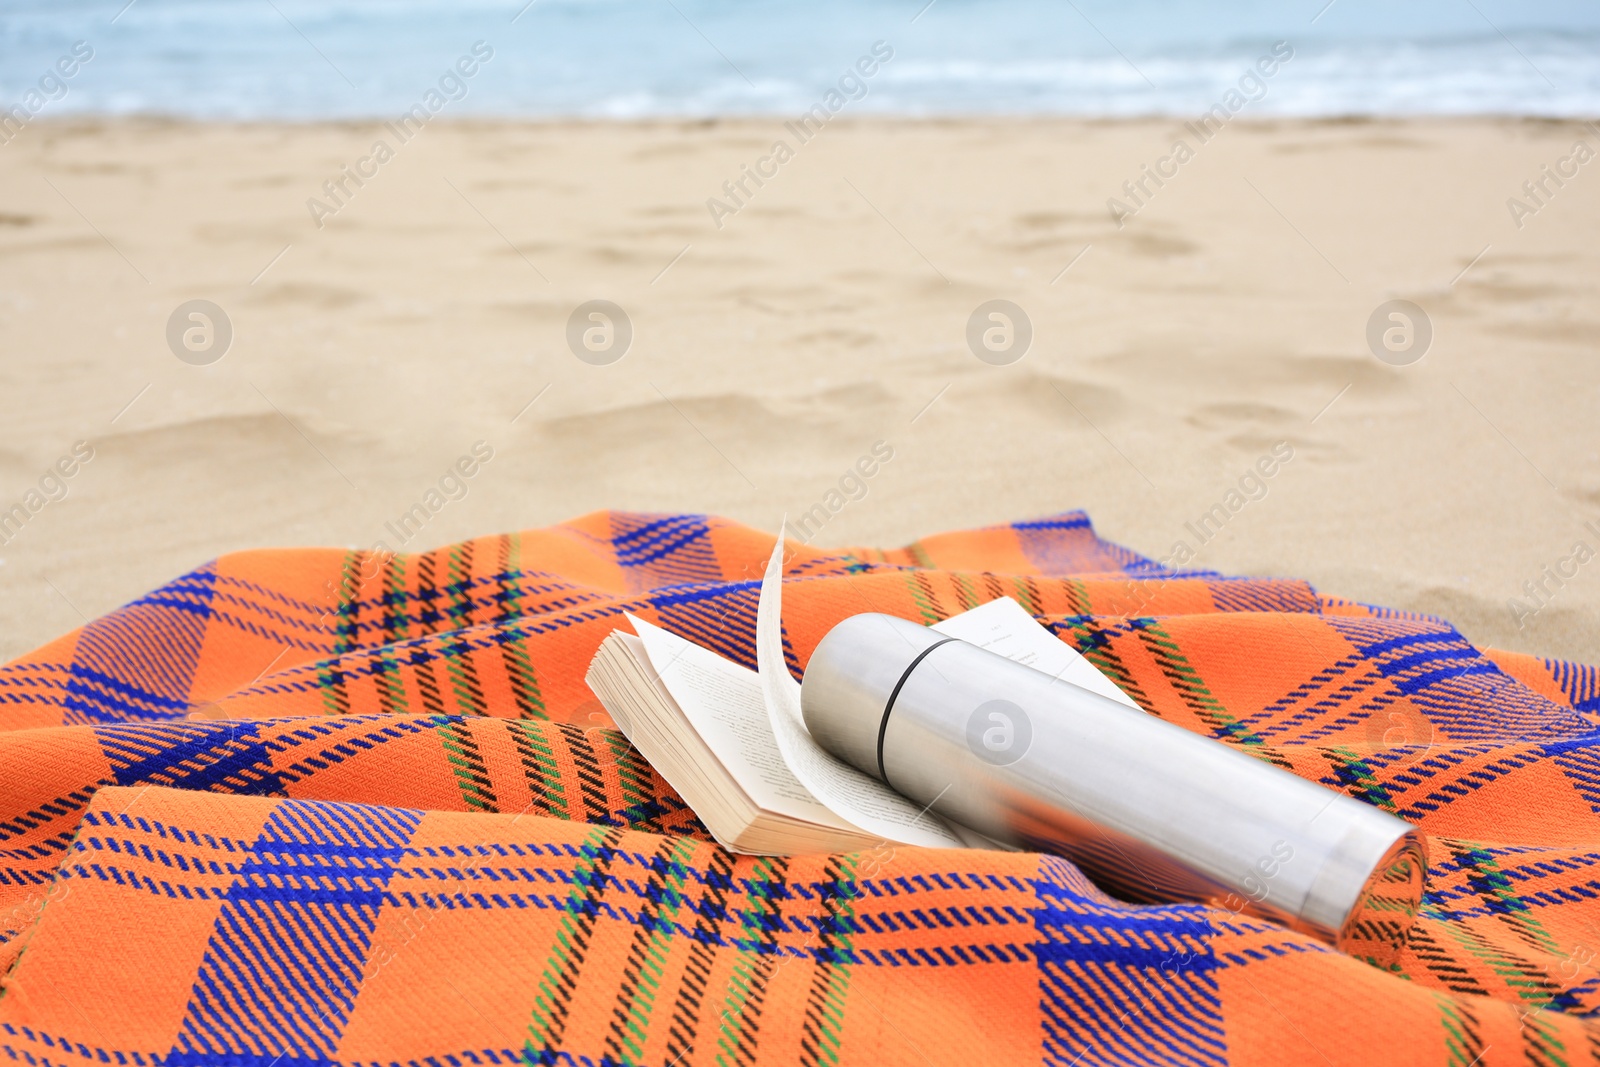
723,702
862,801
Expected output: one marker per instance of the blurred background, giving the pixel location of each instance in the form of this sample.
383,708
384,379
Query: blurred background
231,319
624,59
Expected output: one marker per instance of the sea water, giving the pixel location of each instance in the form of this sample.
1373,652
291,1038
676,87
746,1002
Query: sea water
622,59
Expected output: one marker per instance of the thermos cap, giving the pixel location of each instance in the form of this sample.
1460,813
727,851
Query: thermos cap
852,677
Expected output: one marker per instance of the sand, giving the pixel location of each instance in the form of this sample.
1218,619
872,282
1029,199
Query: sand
825,315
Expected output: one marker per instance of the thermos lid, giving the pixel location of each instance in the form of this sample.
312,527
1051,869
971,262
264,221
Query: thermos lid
853,675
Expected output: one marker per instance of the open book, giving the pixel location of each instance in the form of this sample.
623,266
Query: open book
734,745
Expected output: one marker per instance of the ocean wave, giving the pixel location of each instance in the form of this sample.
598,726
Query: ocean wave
623,59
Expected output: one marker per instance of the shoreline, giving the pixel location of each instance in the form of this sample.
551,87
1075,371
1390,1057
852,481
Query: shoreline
687,121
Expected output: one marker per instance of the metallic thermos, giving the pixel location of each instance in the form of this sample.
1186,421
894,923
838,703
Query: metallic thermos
1149,810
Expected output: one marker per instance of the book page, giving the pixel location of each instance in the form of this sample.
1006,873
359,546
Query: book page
1005,628
723,703
861,800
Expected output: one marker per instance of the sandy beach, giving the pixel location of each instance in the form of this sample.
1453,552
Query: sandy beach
825,317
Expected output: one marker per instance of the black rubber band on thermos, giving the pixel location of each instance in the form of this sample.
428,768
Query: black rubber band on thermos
883,726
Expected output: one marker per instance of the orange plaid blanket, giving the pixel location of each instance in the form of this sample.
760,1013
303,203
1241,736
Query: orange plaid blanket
314,807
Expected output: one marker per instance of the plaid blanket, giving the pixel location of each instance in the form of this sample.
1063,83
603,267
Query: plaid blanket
321,807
